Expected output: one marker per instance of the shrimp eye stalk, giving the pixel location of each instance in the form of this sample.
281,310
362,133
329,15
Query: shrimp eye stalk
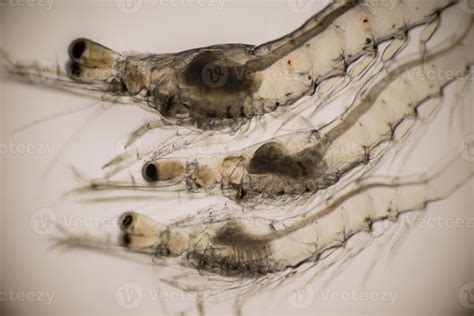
163,170
91,54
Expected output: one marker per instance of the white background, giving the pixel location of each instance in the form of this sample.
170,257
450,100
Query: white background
425,274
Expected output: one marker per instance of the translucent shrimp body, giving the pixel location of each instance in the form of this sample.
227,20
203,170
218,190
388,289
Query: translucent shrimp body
224,86
254,246
383,114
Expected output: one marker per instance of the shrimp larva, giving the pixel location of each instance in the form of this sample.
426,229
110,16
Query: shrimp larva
225,85
305,155
384,113
252,247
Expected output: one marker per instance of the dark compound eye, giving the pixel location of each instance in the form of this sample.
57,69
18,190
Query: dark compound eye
77,48
74,70
126,240
150,172
127,221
